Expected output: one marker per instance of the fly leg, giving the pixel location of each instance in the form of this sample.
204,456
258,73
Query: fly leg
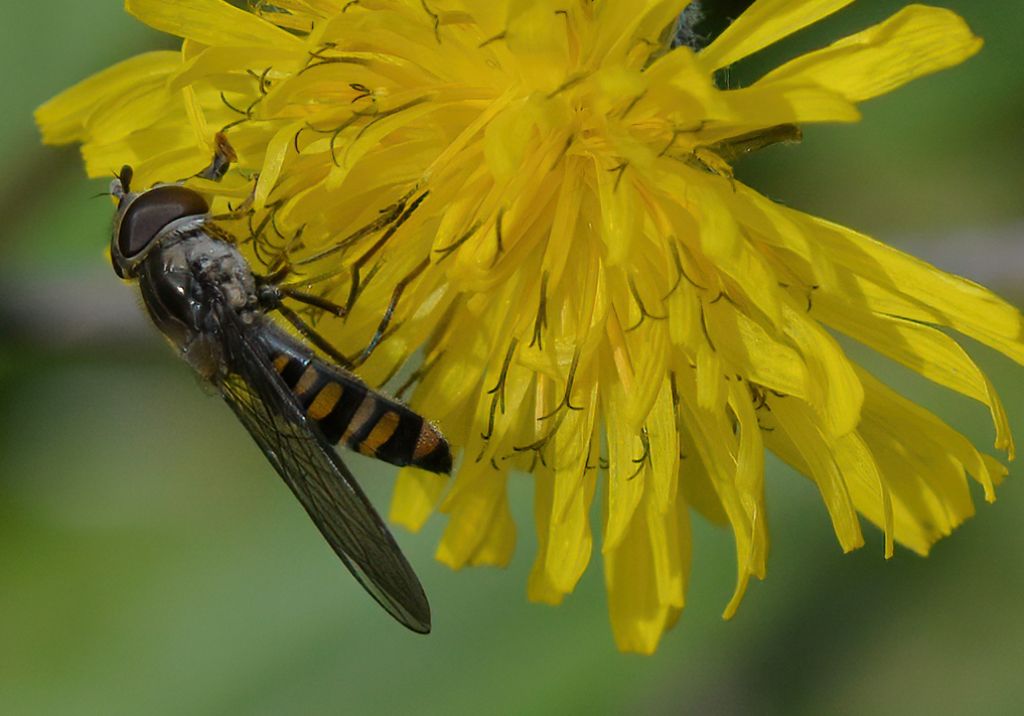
273,281
389,312
310,299
271,297
223,156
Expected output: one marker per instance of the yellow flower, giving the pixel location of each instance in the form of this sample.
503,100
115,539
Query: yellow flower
534,199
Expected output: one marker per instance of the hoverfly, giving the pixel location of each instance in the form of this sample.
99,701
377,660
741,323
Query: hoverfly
202,294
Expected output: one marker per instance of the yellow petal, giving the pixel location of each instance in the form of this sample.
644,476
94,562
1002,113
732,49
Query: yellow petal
767,359
710,382
564,225
916,41
926,435
453,380
474,505
416,496
868,487
835,392
678,85
762,106
273,160
710,441
225,60
211,22
539,587
499,543
670,548
683,316
650,346
178,156
626,475
620,215
197,118
695,484
664,441
819,454
750,474
507,138
646,580
633,22
874,501
569,540
537,37
65,117
928,493
763,23
903,285
921,348
723,242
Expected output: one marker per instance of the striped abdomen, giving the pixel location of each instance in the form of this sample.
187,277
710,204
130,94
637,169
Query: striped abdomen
348,411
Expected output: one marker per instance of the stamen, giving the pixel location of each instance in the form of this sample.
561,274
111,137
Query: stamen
633,103
436,18
538,445
363,90
499,249
645,456
498,391
448,250
566,401
621,169
704,327
541,321
500,36
644,313
568,84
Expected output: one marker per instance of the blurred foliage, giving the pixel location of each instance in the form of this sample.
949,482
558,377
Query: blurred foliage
150,562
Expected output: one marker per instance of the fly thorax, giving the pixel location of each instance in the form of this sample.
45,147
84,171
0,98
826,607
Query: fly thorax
219,265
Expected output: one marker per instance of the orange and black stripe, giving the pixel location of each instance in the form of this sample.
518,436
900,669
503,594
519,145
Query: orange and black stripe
348,411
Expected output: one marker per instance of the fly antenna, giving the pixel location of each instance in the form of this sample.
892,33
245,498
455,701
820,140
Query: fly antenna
122,184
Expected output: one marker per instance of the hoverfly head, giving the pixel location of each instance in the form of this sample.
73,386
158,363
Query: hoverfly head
143,218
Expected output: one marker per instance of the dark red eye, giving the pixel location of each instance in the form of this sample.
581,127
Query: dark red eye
151,211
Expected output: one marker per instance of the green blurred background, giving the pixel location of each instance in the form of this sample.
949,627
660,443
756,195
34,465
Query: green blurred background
150,561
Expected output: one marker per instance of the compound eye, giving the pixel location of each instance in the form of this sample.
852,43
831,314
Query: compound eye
153,210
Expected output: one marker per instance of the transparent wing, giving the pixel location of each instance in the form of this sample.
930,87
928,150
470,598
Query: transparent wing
318,477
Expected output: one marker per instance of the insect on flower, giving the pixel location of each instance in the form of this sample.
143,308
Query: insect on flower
532,204
202,294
